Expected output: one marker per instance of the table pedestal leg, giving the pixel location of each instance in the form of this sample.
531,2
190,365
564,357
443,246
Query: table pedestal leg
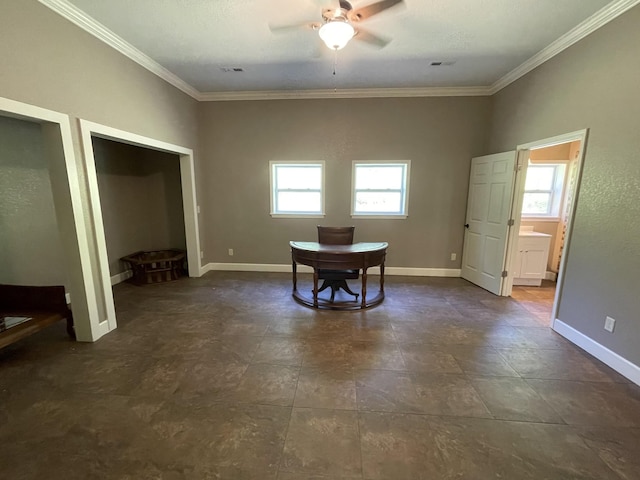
315,287
295,277
364,288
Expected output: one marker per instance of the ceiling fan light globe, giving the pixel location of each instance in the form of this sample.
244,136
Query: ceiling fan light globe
336,34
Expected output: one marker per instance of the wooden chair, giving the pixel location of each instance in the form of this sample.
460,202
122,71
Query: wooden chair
336,279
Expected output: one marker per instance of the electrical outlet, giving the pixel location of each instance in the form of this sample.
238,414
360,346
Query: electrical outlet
609,324
453,256
231,252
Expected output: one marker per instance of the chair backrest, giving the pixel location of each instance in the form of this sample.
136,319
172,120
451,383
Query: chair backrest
335,235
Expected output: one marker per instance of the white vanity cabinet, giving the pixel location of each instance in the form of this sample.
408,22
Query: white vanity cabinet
531,260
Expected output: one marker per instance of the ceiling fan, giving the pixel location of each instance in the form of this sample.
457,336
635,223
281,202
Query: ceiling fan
342,23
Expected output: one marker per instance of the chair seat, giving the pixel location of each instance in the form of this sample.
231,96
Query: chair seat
324,274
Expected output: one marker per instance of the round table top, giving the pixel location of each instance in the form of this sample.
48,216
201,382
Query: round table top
360,247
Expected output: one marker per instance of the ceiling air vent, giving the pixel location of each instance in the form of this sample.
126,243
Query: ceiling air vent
232,69
442,63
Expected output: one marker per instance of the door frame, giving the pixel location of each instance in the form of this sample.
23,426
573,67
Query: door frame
516,209
71,213
189,203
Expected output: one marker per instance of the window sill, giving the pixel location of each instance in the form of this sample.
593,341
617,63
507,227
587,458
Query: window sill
297,215
379,217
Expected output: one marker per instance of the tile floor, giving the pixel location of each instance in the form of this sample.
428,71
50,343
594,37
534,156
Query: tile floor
225,377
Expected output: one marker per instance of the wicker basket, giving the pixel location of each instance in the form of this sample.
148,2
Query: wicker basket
156,267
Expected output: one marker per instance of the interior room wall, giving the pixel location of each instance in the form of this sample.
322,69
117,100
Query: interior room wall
438,135
141,200
49,62
593,84
29,239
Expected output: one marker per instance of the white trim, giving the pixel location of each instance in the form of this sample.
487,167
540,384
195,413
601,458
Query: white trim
297,215
286,268
619,364
581,136
86,327
361,216
89,129
91,26
102,33
346,93
121,277
548,275
590,25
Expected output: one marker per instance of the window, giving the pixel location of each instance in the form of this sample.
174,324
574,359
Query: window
297,188
380,189
543,190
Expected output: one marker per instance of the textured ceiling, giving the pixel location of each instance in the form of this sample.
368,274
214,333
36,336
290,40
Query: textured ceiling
197,39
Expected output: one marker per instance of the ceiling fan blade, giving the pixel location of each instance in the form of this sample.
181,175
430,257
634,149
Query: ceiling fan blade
373,9
371,39
294,26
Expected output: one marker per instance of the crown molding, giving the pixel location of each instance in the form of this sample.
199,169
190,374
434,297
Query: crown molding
88,24
346,93
590,25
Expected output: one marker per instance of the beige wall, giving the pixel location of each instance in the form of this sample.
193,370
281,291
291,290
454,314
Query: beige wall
438,135
592,85
30,249
49,62
141,200
557,152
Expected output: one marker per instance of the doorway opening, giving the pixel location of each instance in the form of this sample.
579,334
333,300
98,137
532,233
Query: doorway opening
545,194
94,135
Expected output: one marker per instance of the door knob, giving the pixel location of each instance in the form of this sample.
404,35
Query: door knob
466,225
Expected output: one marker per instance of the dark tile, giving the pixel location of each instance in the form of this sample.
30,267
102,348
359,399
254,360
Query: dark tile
428,359
488,449
481,361
280,351
385,391
513,399
618,447
369,355
555,364
587,403
442,394
202,376
398,446
267,384
317,390
323,442
233,438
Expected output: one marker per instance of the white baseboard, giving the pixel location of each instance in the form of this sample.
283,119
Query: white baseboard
551,276
121,277
284,268
619,364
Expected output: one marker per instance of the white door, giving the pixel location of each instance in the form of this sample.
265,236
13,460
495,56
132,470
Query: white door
487,223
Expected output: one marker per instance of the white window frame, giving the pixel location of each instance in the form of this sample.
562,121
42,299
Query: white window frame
556,193
273,165
404,190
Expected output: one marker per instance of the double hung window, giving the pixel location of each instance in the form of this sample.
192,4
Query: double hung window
543,190
297,188
380,189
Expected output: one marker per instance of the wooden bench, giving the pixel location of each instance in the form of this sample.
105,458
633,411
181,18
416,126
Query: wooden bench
42,305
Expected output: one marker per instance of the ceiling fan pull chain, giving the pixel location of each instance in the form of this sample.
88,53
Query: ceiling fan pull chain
335,64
